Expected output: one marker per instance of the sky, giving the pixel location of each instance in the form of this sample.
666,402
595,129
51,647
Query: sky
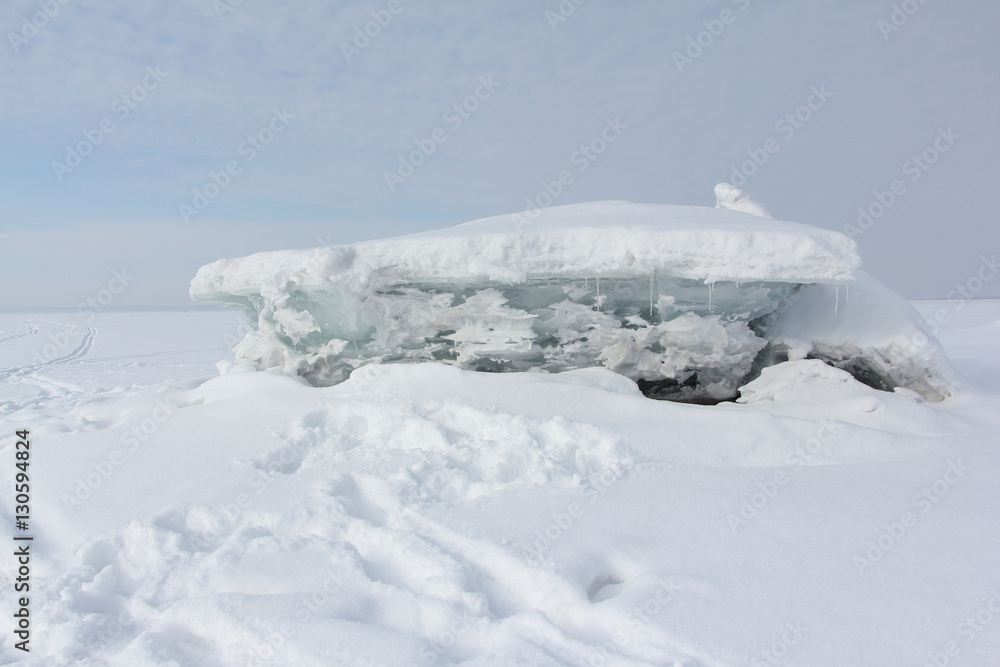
140,139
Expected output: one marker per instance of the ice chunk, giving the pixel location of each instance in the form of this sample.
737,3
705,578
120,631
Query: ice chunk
682,348
683,300
691,357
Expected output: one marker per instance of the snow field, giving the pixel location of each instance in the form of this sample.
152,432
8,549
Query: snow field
423,514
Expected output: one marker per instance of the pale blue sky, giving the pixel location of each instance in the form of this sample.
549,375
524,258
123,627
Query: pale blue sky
322,178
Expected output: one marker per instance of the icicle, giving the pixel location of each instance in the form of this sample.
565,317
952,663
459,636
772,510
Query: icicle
652,277
836,299
711,288
848,289
598,300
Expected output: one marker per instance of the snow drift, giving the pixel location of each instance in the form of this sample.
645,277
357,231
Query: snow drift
690,302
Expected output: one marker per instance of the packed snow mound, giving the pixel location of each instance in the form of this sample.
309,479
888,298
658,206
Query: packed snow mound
671,297
607,239
788,379
730,197
867,330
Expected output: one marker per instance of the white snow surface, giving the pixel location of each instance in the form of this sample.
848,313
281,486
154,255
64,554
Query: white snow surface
426,515
604,238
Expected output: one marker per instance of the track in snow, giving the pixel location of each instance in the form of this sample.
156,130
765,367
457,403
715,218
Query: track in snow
81,350
32,329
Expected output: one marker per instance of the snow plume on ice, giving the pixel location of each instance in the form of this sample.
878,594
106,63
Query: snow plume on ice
673,297
734,199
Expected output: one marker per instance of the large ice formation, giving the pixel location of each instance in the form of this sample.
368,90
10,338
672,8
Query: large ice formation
690,302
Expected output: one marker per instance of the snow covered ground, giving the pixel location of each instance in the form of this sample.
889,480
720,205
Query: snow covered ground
424,514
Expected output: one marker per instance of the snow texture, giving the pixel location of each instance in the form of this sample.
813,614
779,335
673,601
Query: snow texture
422,514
